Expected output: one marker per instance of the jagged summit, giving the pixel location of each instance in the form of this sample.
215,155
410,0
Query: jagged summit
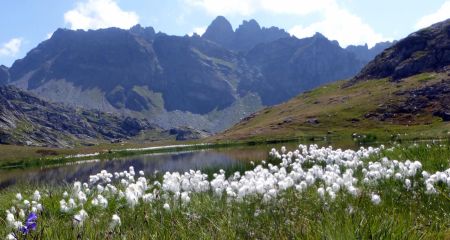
319,35
246,36
147,33
220,31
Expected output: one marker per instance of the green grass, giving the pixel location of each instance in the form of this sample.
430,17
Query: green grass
341,111
401,215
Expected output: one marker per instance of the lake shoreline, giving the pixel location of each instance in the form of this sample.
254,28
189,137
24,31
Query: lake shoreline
112,151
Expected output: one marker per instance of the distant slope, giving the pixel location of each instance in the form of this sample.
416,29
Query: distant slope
27,120
417,102
416,105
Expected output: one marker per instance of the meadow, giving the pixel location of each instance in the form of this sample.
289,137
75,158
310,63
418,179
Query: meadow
400,192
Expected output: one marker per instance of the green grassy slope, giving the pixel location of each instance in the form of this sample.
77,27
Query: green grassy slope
336,111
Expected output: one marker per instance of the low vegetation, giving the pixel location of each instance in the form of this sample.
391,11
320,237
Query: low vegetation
308,193
339,111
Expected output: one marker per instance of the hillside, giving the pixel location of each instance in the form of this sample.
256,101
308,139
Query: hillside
422,51
205,82
382,100
28,120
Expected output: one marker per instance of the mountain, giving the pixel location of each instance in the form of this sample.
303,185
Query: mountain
206,83
221,32
405,92
247,35
28,120
366,54
4,75
290,66
422,51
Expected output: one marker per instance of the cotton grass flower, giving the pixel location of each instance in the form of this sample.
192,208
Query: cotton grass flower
19,196
79,218
375,198
115,221
11,237
166,207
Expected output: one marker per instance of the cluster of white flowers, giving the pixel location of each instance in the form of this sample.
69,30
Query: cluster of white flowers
438,177
327,171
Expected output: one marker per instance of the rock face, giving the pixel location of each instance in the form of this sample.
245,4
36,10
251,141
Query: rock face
28,120
423,51
4,75
290,66
432,100
207,82
247,35
220,31
364,53
187,133
199,76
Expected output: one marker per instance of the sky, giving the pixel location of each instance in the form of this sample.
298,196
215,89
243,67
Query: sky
26,23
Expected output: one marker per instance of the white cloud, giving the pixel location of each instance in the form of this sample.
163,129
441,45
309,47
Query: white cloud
441,14
49,35
95,14
296,7
11,48
224,7
341,25
198,30
335,22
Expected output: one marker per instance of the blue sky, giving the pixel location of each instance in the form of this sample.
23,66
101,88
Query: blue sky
26,23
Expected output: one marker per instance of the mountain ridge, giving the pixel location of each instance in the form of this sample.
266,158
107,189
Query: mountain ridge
178,81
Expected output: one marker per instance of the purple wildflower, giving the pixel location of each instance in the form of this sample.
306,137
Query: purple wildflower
30,223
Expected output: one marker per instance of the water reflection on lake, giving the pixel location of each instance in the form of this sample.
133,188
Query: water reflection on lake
178,161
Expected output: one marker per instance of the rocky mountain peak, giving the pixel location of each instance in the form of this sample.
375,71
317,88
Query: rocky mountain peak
148,33
247,35
249,26
220,31
319,35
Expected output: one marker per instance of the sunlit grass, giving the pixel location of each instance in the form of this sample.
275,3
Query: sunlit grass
401,214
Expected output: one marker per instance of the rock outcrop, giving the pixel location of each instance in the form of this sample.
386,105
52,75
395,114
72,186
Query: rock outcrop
423,51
